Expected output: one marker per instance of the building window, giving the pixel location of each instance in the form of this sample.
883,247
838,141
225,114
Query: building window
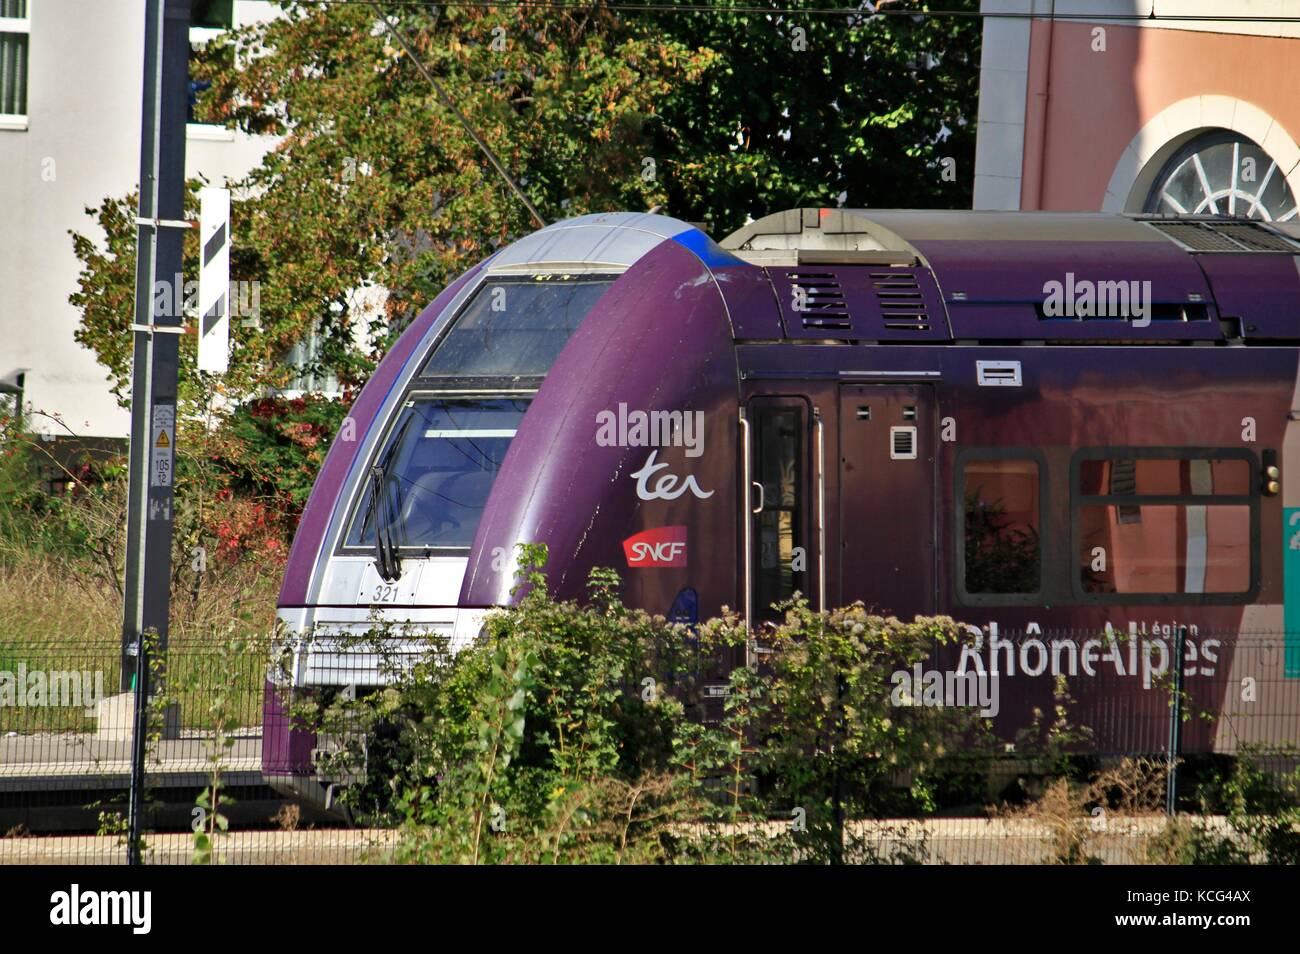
208,20
1001,523
15,34
1222,173
312,376
1149,525
11,406
212,14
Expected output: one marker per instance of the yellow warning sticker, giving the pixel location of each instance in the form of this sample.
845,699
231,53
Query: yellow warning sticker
160,465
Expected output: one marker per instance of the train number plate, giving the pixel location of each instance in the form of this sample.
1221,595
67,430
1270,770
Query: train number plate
376,591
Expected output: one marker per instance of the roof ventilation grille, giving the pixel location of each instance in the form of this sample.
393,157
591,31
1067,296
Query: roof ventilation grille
1225,237
819,300
1255,238
902,306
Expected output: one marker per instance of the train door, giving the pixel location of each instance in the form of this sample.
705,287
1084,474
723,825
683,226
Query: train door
784,500
887,498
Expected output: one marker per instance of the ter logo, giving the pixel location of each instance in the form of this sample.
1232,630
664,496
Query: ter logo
662,546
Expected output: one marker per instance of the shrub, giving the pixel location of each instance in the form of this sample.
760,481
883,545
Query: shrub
575,732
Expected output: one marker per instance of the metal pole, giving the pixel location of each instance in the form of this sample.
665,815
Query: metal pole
139,739
158,297
158,304
1175,724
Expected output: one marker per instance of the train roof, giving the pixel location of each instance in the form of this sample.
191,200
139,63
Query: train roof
600,241
1205,278
899,230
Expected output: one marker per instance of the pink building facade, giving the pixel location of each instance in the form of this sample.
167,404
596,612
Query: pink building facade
1091,105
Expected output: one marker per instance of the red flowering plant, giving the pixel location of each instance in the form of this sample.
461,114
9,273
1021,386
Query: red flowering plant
263,459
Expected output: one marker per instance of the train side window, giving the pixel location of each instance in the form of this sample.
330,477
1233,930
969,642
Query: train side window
1165,524
1001,525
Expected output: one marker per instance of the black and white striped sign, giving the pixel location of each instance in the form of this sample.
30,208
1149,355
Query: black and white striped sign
214,280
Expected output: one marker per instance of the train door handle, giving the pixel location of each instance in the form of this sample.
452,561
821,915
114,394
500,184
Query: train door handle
761,498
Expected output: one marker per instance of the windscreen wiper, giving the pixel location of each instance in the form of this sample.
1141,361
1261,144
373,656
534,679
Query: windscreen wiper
386,559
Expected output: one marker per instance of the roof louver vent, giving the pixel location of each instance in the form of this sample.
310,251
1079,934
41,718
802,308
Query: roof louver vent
1255,238
1225,237
819,300
902,307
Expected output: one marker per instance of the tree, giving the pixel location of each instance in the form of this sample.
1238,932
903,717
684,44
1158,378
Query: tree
375,184
710,116
817,110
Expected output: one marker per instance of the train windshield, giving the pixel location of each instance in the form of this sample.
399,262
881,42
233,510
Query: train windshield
515,327
436,471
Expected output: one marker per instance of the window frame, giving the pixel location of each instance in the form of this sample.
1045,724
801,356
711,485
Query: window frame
199,37
233,24
1197,145
964,457
305,383
17,122
487,382
1079,500
352,514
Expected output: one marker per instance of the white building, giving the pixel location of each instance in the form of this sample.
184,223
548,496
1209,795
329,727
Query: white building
71,81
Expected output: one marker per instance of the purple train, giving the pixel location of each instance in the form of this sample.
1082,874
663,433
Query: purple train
1049,426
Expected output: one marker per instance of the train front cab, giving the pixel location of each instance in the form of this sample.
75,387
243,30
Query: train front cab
427,438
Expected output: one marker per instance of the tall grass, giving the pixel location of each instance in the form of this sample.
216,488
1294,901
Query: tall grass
62,612
52,621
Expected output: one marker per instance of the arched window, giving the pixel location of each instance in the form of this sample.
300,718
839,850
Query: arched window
1222,173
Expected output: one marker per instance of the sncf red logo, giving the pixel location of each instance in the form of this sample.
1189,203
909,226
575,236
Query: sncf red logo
662,546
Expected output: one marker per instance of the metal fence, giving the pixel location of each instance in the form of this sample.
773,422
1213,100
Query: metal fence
66,754
66,746
1235,689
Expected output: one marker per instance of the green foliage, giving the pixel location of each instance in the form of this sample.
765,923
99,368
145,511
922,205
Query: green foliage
79,528
1051,746
1262,805
580,733
374,183
1188,841
858,111
210,819
272,448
